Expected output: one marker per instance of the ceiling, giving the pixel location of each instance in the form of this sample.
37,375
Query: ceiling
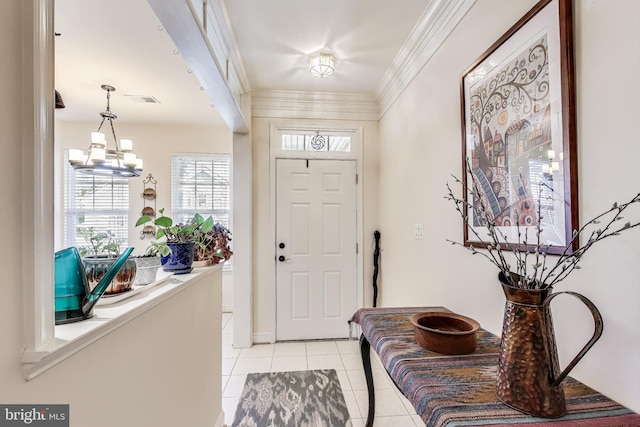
124,45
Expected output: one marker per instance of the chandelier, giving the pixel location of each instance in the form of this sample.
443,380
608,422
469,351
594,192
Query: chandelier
322,64
98,159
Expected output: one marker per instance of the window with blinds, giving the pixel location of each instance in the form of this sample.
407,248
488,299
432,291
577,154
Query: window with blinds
201,184
94,204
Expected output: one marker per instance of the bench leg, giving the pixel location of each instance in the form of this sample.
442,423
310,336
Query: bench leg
365,348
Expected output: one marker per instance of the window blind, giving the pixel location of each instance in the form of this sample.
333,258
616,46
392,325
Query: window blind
201,184
94,204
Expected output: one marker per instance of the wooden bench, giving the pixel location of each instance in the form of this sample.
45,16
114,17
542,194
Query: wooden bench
460,390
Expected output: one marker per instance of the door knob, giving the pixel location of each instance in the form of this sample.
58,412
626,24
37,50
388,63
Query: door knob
281,245
281,258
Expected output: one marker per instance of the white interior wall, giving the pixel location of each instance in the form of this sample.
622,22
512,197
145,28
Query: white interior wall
154,144
263,246
162,368
420,144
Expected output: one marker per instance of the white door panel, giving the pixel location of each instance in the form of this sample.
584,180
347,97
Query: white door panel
316,269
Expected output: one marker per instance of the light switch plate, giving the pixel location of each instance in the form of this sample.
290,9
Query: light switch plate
418,231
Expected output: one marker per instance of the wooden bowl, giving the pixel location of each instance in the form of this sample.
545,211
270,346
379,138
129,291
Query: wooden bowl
446,333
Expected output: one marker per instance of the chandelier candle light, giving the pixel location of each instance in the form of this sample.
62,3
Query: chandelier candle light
98,159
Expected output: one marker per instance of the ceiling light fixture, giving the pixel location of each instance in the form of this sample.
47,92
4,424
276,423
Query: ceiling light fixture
98,160
322,64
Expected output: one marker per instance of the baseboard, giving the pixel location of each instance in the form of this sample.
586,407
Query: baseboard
264,338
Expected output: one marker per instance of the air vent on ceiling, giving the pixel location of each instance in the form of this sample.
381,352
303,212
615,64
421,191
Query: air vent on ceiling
142,98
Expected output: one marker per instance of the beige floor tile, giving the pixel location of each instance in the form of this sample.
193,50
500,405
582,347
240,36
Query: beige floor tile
258,350
395,421
348,347
352,404
234,387
329,361
387,402
380,379
417,420
352,361
228,352
289,349
345,384
321,347
229,405
227,366
251,364
405,402
289,363
392,409
227,323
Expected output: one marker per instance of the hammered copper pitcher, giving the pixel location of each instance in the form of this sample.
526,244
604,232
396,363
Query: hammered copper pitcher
529,377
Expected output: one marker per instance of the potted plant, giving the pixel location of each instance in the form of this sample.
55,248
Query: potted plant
213,244
203,240
221,236
177,250
148,264
99,256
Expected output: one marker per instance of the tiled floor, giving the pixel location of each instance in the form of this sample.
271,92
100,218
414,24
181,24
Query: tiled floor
392,409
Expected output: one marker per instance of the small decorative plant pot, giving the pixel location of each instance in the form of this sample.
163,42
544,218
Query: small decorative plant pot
147,269
180,260
201,263
96,267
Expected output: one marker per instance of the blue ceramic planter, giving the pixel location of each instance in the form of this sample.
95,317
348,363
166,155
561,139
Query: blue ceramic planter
180,259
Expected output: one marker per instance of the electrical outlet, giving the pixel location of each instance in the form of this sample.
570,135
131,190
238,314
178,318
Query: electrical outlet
418,231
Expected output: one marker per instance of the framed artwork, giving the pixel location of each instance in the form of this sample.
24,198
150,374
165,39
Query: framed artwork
519,135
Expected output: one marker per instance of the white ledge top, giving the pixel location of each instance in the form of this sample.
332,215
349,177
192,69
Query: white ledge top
72,337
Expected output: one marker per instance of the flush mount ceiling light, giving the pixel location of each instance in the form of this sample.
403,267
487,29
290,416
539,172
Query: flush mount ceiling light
322,64
98,160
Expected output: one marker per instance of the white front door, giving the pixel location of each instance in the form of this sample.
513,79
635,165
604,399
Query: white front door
315,248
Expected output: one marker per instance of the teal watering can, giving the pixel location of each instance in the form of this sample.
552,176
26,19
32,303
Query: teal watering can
74,300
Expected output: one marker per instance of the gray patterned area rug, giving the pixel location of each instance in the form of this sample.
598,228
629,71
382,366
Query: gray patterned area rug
292,399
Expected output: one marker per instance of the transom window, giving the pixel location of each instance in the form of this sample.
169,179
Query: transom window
316,142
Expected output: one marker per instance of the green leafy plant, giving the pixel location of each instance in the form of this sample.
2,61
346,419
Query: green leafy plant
101,244
192,232
222,238
157,248
527,265
215,244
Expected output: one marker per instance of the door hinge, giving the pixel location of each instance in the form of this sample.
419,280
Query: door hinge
356,248
356,178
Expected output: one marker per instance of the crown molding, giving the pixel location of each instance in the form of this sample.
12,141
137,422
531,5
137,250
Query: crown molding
433,28
313,105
